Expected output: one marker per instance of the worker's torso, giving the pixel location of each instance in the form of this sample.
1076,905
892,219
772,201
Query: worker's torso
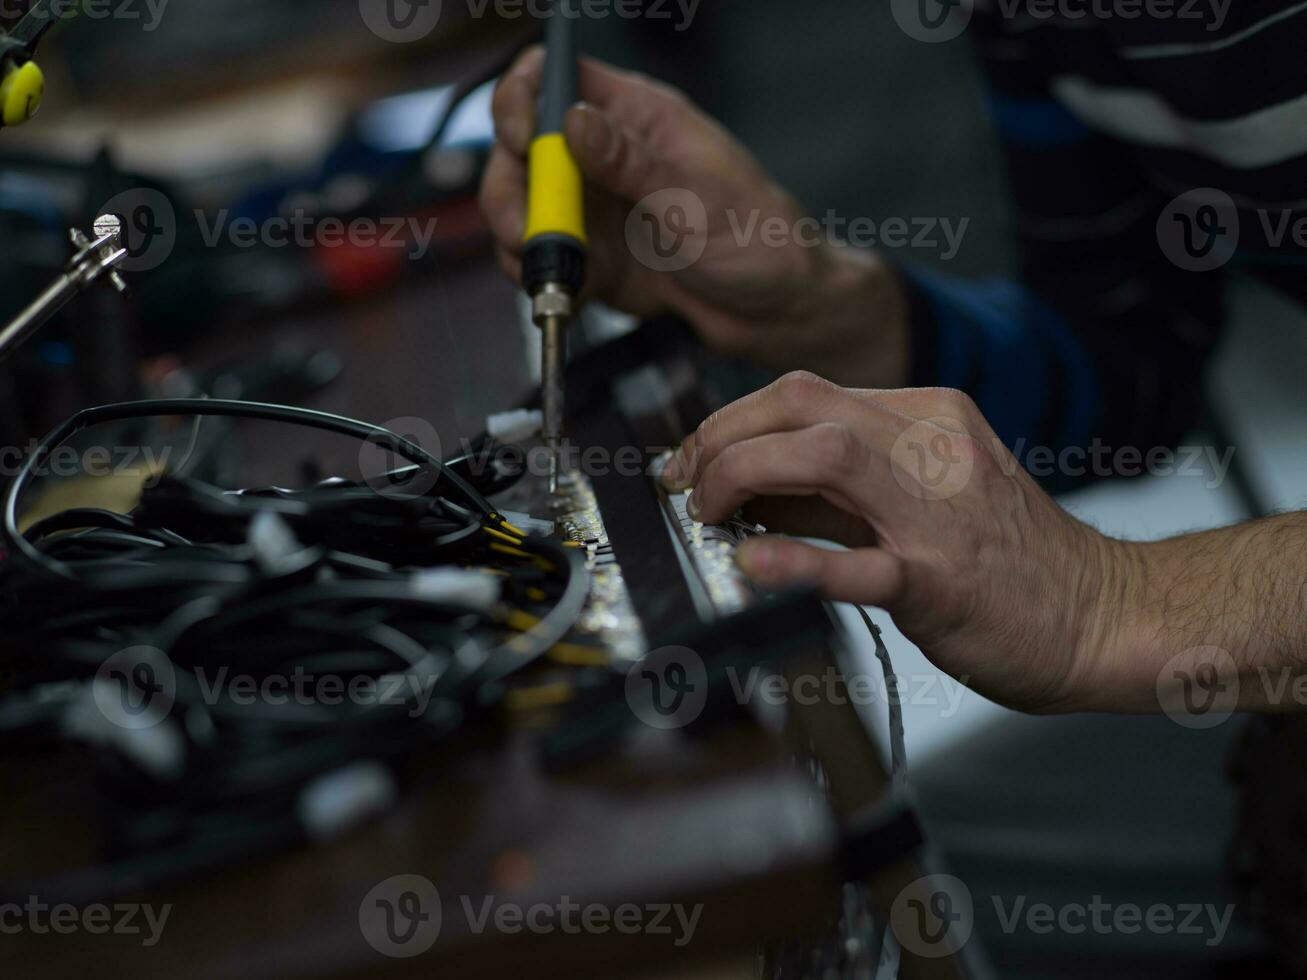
1204,94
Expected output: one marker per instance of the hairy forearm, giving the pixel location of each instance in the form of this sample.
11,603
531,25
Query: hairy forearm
1231,599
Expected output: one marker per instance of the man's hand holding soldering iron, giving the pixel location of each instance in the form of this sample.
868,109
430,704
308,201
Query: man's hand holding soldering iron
945,529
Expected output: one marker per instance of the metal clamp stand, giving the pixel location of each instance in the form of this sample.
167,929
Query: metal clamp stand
94,259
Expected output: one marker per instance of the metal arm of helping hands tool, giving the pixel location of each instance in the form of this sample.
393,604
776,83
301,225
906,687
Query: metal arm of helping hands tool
95,259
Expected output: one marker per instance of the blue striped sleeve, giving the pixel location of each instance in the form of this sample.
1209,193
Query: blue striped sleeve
1035,123
1018,358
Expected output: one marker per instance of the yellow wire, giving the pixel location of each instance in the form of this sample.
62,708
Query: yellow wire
525,699
523,622
569,654
504,523
502,536
575,655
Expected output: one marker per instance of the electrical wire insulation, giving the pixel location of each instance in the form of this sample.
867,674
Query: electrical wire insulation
253,667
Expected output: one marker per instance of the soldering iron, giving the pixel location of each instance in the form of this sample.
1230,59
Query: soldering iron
554,258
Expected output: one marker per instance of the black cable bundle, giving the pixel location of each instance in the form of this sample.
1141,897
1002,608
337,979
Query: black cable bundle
413,603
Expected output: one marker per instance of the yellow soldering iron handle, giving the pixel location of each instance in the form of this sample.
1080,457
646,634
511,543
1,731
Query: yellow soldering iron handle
21,89
555,238
557,197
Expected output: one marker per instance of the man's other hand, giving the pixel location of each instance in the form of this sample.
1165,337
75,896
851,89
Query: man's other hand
998,585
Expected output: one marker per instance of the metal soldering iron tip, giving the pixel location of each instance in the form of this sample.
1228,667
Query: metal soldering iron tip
552,376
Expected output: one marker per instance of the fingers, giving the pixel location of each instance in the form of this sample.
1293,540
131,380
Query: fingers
503,198
603,133
510,263
802,399
611,156
632,98
796,401
868,576
826,460
810,517
514,105
635,99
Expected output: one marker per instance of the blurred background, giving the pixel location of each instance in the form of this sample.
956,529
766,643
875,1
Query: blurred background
252,109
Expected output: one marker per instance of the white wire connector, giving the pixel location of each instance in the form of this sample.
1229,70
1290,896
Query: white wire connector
515,426
156,745
529,524
273,541
341,800
458,586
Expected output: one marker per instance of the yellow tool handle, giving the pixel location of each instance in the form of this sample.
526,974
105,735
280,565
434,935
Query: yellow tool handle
556,203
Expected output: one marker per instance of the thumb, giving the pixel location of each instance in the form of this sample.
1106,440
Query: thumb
609,156
867,576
